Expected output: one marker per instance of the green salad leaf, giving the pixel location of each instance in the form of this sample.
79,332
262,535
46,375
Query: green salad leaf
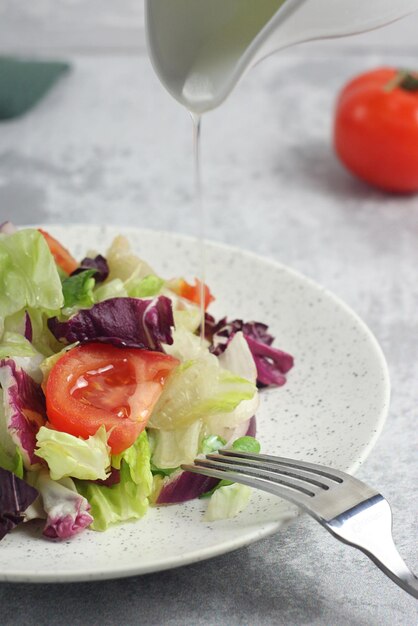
110,289
144,287
138,458
66,455
78,290
10,456
242,444
211,443
28,275
171,448
227,501
128,499
198,389
12,463
13,344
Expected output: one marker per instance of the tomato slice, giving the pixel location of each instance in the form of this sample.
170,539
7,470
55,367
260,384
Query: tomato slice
193,292
97,384
61,255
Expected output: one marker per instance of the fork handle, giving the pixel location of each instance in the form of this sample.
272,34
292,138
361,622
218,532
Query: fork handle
393,565
374,539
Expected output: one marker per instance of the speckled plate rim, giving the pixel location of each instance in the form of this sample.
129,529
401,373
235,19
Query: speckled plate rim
266,529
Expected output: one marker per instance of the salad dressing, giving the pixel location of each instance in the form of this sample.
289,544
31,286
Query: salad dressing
201,216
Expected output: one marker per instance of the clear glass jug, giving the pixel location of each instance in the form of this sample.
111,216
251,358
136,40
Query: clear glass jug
201,48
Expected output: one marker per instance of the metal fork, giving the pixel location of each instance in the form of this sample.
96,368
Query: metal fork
350,510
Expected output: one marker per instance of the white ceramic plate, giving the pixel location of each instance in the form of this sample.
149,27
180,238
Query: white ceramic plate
331,411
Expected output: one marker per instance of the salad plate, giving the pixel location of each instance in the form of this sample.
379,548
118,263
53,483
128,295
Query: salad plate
330,411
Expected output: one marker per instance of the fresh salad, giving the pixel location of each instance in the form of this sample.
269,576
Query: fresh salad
107,387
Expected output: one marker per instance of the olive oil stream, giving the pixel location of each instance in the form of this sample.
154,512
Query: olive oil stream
201,216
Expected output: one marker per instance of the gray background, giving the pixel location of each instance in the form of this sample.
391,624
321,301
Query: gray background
108,145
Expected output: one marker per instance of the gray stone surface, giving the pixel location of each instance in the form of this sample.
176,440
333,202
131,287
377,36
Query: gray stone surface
108,145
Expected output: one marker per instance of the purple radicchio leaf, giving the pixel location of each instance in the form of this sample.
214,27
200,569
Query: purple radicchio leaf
99,264
24,409
112,479
28,327
15,497
66,510
123,322
272,364
183,486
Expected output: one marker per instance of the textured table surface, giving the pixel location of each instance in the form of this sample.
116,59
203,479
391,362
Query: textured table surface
108,145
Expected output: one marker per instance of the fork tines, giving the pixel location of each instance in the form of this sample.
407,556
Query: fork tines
300,482
280,471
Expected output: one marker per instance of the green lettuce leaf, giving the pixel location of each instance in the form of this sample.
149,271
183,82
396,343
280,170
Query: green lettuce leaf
12,463
243,444
146,287
28,275
187,319
129,275
78,290
10,456
247,444
123,263
13,344
42,338
138,458
134,287
128,499
48,363
110,289
197,390
227,501
211,443
66,455
171,448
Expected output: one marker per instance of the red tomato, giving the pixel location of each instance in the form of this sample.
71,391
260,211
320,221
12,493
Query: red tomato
61,255
193,292
97,384
376,129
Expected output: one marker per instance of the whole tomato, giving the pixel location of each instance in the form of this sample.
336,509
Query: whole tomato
376,129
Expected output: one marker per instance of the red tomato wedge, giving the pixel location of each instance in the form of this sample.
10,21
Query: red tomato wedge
193,292
61,255
97,384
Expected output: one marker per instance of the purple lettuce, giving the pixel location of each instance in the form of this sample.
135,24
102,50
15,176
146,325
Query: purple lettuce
123,322
272,364
112,479
28,327
99,264
183,486
15,497
67,512
24,409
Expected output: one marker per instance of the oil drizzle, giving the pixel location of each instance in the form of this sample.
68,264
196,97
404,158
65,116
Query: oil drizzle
201,215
